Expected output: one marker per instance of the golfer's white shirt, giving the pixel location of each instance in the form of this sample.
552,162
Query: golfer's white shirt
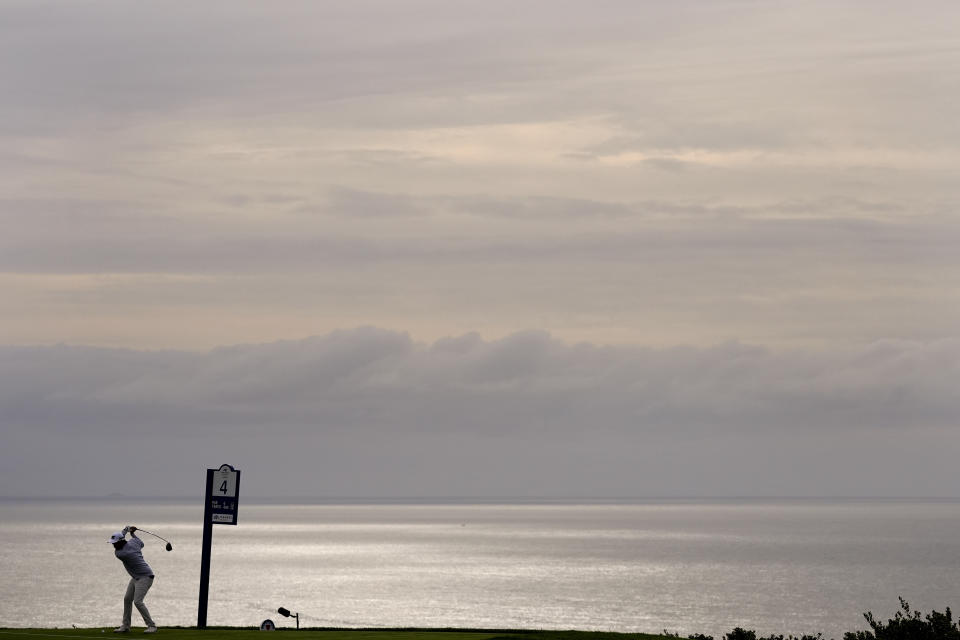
132,558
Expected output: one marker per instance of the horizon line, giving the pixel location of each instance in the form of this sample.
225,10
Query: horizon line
485,499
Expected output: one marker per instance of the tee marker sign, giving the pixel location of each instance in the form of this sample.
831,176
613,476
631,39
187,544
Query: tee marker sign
222,494
219,507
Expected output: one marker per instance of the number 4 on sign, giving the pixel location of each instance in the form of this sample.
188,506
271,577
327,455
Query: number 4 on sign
225,482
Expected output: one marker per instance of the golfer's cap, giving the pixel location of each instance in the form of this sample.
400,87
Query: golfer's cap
117,537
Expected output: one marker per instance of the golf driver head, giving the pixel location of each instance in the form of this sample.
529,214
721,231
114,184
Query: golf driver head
169,547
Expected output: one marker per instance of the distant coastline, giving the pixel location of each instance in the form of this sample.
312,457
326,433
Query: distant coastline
493,500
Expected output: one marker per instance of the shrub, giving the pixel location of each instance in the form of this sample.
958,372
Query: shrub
907,624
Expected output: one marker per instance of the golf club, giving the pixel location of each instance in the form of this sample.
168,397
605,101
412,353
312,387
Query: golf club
169,546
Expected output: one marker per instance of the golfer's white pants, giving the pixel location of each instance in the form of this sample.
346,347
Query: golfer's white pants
137,588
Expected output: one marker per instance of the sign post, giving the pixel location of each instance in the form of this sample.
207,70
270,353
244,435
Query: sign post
219,507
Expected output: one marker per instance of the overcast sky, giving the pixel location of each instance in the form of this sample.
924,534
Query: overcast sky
480,248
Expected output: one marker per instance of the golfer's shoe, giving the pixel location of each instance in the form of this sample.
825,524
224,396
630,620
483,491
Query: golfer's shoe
122,629
150,629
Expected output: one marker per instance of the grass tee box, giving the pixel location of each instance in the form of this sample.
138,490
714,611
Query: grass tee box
325,634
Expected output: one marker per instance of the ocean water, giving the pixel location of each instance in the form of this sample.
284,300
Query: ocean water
784,566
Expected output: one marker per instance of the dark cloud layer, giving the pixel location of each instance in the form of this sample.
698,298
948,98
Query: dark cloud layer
372,412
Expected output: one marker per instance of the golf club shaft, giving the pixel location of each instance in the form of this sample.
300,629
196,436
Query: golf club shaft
153,534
